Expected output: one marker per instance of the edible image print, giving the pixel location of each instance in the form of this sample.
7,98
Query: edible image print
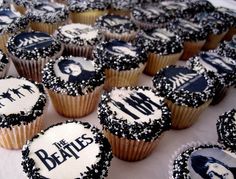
120,47
212,163
114,20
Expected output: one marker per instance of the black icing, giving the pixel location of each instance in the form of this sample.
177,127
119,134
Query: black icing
228,48
111,55
183,86
84,5
116,24
55,83
98,170
160,41
226,129
25,117
147,131
33,45
3,61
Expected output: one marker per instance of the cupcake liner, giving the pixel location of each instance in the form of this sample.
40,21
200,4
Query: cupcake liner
88,17
115,78
16,136
5,70
32,69
230,34
183,116
125,37
156,62
213,41
78,51
45,27
130,150
75,106
122,12
191,49
20,9
3,41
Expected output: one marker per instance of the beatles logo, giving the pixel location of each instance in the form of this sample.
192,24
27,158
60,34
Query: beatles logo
29,41
180,79
65,151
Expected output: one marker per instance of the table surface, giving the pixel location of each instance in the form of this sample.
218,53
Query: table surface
155,165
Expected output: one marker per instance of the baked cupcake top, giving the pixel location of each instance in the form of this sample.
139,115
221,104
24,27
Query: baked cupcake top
48,12
33,45
206,161
78,34
222,67
11,21
72,76
183,86
116,24
229,15
160,41
3,60
62,150
228,48
84,5
226,129
136,113
119,55
17,91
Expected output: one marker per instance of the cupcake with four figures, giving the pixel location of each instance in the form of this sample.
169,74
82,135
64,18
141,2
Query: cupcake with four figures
117,27
221,69
22,105
203,161
133,120
164,48
186,93
11,22
30,51
67,150
4,64
226,129
47,16
123,63
193,35
74,85
87,11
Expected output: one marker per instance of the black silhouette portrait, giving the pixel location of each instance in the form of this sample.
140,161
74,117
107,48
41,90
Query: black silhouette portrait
7,95
17,92
28,88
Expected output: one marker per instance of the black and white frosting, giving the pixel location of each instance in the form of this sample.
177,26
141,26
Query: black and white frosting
160,41
119,55
33,45
201,6
203,161
78,34
11,21
183,86
48,12
229,15
228,48
17,91
72,75
187,30
3,61
226,129
223,68
84,5
116,24
136,113
67,150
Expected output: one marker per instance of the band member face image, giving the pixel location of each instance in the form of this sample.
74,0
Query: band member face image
120,47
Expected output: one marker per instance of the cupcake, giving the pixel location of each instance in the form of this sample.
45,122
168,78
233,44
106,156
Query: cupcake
214,25
87,11
4,64
149,16
78,39
226,129
74,85
228,48
22,105
67,150
30,51
11,22
117,27
123,63
203,161
186,93
47,16
133,120
221,69
193,35
164,48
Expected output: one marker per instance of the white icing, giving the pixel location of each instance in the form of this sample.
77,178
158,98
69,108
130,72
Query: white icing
72,167
160,34
24,101
120,94
82,31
